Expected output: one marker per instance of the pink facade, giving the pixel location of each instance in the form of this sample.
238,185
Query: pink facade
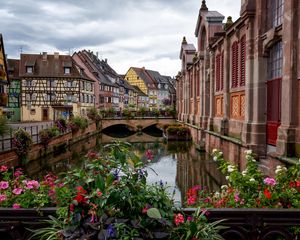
240,88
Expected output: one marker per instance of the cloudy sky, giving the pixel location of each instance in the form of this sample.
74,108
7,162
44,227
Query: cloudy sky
126,32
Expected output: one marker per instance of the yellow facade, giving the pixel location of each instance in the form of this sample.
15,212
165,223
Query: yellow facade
133,78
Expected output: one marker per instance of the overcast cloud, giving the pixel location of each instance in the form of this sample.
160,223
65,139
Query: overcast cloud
126,32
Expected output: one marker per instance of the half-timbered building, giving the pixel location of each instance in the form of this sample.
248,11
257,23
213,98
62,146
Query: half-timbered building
14,91
240,87
53,86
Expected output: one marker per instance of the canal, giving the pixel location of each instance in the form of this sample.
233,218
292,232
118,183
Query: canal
177,165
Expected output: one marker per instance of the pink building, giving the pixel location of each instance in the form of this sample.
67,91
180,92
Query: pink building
240,88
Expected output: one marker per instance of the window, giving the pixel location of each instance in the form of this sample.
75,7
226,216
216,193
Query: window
29,69
243,61
275,62
28,83
69,97
219,72
234,64
67,70
275,13
69,84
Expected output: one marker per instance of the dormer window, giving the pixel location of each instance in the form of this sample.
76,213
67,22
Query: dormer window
67,70
29,69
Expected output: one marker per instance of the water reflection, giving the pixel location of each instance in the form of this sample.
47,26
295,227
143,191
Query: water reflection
177,164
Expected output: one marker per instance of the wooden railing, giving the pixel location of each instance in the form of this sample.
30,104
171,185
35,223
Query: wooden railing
243,224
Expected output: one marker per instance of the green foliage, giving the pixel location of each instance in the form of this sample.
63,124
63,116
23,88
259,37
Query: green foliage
77,123
22,142
178,130
250,188
94,114
4,128
197,227
46,135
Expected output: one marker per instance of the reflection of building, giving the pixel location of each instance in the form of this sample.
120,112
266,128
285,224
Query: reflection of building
53,86
4,80
14,91
194,168
242,82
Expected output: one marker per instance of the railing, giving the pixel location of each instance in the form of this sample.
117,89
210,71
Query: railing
256,224
6,141
136,115
243,224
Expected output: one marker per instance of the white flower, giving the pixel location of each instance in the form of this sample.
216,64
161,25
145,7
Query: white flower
227,177
230,168
253,160
214,150
278,167
217,194
224,187
248,152
215,158
244,173
252,180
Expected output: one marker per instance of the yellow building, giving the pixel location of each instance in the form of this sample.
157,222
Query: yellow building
53,86
141,78
4,81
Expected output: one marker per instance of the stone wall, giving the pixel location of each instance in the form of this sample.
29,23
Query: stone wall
10,158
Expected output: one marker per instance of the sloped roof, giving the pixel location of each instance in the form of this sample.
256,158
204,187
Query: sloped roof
13,67
52,66
139,91
6,78
145,77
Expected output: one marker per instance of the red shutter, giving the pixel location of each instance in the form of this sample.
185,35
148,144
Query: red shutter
234,64
218,73
222,71
243,61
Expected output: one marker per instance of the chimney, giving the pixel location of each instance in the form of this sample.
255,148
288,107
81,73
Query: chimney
56,55
44,56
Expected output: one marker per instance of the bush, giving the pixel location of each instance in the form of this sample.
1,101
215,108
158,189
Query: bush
46,135
94,115
78,123
22,141
61,124
250,188
4,128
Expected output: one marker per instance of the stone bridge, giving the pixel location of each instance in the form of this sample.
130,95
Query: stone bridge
133,123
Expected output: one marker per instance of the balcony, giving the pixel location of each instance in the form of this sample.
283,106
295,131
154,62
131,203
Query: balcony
3,99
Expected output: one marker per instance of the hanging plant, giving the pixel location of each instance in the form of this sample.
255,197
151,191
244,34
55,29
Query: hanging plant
22,141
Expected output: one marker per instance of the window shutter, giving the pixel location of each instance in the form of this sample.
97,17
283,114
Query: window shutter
222,71
218,73
243,61
234,64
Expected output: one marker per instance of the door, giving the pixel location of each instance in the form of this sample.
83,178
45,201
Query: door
45,114
273,109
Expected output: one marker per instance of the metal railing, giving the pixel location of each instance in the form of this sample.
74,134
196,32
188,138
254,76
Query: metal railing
6,141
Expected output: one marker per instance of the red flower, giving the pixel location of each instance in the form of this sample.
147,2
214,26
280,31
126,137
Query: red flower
80,198
267,193
178,219
72,207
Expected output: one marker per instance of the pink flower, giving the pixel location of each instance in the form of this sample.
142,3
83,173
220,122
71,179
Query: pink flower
16,206
191,200
149,154
236,197
2,197
18,172
31,184
17,191
190,218
3,168
4,185
270,181
178,218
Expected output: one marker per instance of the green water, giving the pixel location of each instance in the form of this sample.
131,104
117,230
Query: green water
178,165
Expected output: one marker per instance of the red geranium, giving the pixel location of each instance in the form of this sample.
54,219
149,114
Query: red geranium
267,193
